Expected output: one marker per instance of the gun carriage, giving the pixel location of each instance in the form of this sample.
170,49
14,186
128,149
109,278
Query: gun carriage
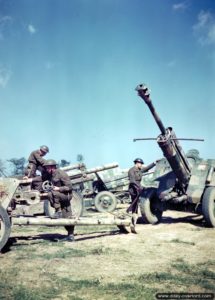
181,182
20,205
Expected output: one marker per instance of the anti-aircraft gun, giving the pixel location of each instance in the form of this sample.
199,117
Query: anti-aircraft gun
181,182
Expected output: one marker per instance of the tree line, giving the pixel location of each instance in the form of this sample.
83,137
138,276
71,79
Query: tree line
16,166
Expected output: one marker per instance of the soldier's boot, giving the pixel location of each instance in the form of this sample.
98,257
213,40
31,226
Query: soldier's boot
68,238
134,222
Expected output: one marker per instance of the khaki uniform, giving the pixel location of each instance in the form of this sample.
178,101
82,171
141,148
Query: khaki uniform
61,199
35,162
135,176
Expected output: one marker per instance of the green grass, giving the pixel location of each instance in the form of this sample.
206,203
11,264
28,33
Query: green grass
64,253
181,277
60,251
181,242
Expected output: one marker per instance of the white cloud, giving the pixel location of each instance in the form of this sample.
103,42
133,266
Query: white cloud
5,75
5,21
204,29
179,6
31,29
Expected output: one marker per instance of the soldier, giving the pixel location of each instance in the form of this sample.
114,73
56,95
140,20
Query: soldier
61,193
135,175
36,161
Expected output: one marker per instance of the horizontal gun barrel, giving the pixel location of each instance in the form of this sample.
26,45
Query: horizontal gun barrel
73,167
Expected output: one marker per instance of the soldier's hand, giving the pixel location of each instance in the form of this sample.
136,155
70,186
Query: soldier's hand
25,177
56,188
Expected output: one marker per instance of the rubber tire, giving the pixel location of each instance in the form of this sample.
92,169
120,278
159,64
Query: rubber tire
101,208
208,206
76,204
5,227
150,215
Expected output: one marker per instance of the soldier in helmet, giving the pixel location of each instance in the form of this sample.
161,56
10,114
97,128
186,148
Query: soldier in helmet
36,161
135,176
61,193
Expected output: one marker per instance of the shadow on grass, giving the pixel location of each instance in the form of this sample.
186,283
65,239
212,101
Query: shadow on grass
192,219
196,220
20,241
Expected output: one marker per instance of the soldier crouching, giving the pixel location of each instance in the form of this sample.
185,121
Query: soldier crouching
61,194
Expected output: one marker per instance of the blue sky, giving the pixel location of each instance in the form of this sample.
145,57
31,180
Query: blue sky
68,70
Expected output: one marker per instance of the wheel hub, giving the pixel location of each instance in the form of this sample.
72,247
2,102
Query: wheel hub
105,201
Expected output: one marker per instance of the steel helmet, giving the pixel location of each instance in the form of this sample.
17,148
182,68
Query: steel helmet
50,162
44,148
139,160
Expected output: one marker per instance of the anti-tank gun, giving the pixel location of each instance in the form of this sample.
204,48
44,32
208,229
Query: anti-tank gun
182,182
20,205
98,186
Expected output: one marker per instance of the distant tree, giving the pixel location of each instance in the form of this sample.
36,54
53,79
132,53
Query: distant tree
18,165
80,158
64,163
2,169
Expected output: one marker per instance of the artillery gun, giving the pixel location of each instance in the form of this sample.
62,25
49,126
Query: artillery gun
19,205
29,200
99,187
181,182
88,186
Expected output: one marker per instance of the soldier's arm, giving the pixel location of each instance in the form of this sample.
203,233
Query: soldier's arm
148,167
39,159
67,185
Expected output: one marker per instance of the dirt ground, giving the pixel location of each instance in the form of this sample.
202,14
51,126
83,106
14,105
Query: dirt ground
103,254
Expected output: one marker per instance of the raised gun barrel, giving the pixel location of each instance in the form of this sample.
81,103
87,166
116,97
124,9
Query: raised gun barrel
168,143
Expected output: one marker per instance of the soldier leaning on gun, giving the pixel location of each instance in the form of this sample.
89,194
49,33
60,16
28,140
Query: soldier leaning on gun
135,175
61,194
36,161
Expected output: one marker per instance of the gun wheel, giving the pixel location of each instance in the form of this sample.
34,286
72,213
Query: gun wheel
76,206
105,202
5,227
208,206
150,207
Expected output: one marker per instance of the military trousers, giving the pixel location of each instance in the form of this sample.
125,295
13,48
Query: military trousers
62,201
31,169
134,192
